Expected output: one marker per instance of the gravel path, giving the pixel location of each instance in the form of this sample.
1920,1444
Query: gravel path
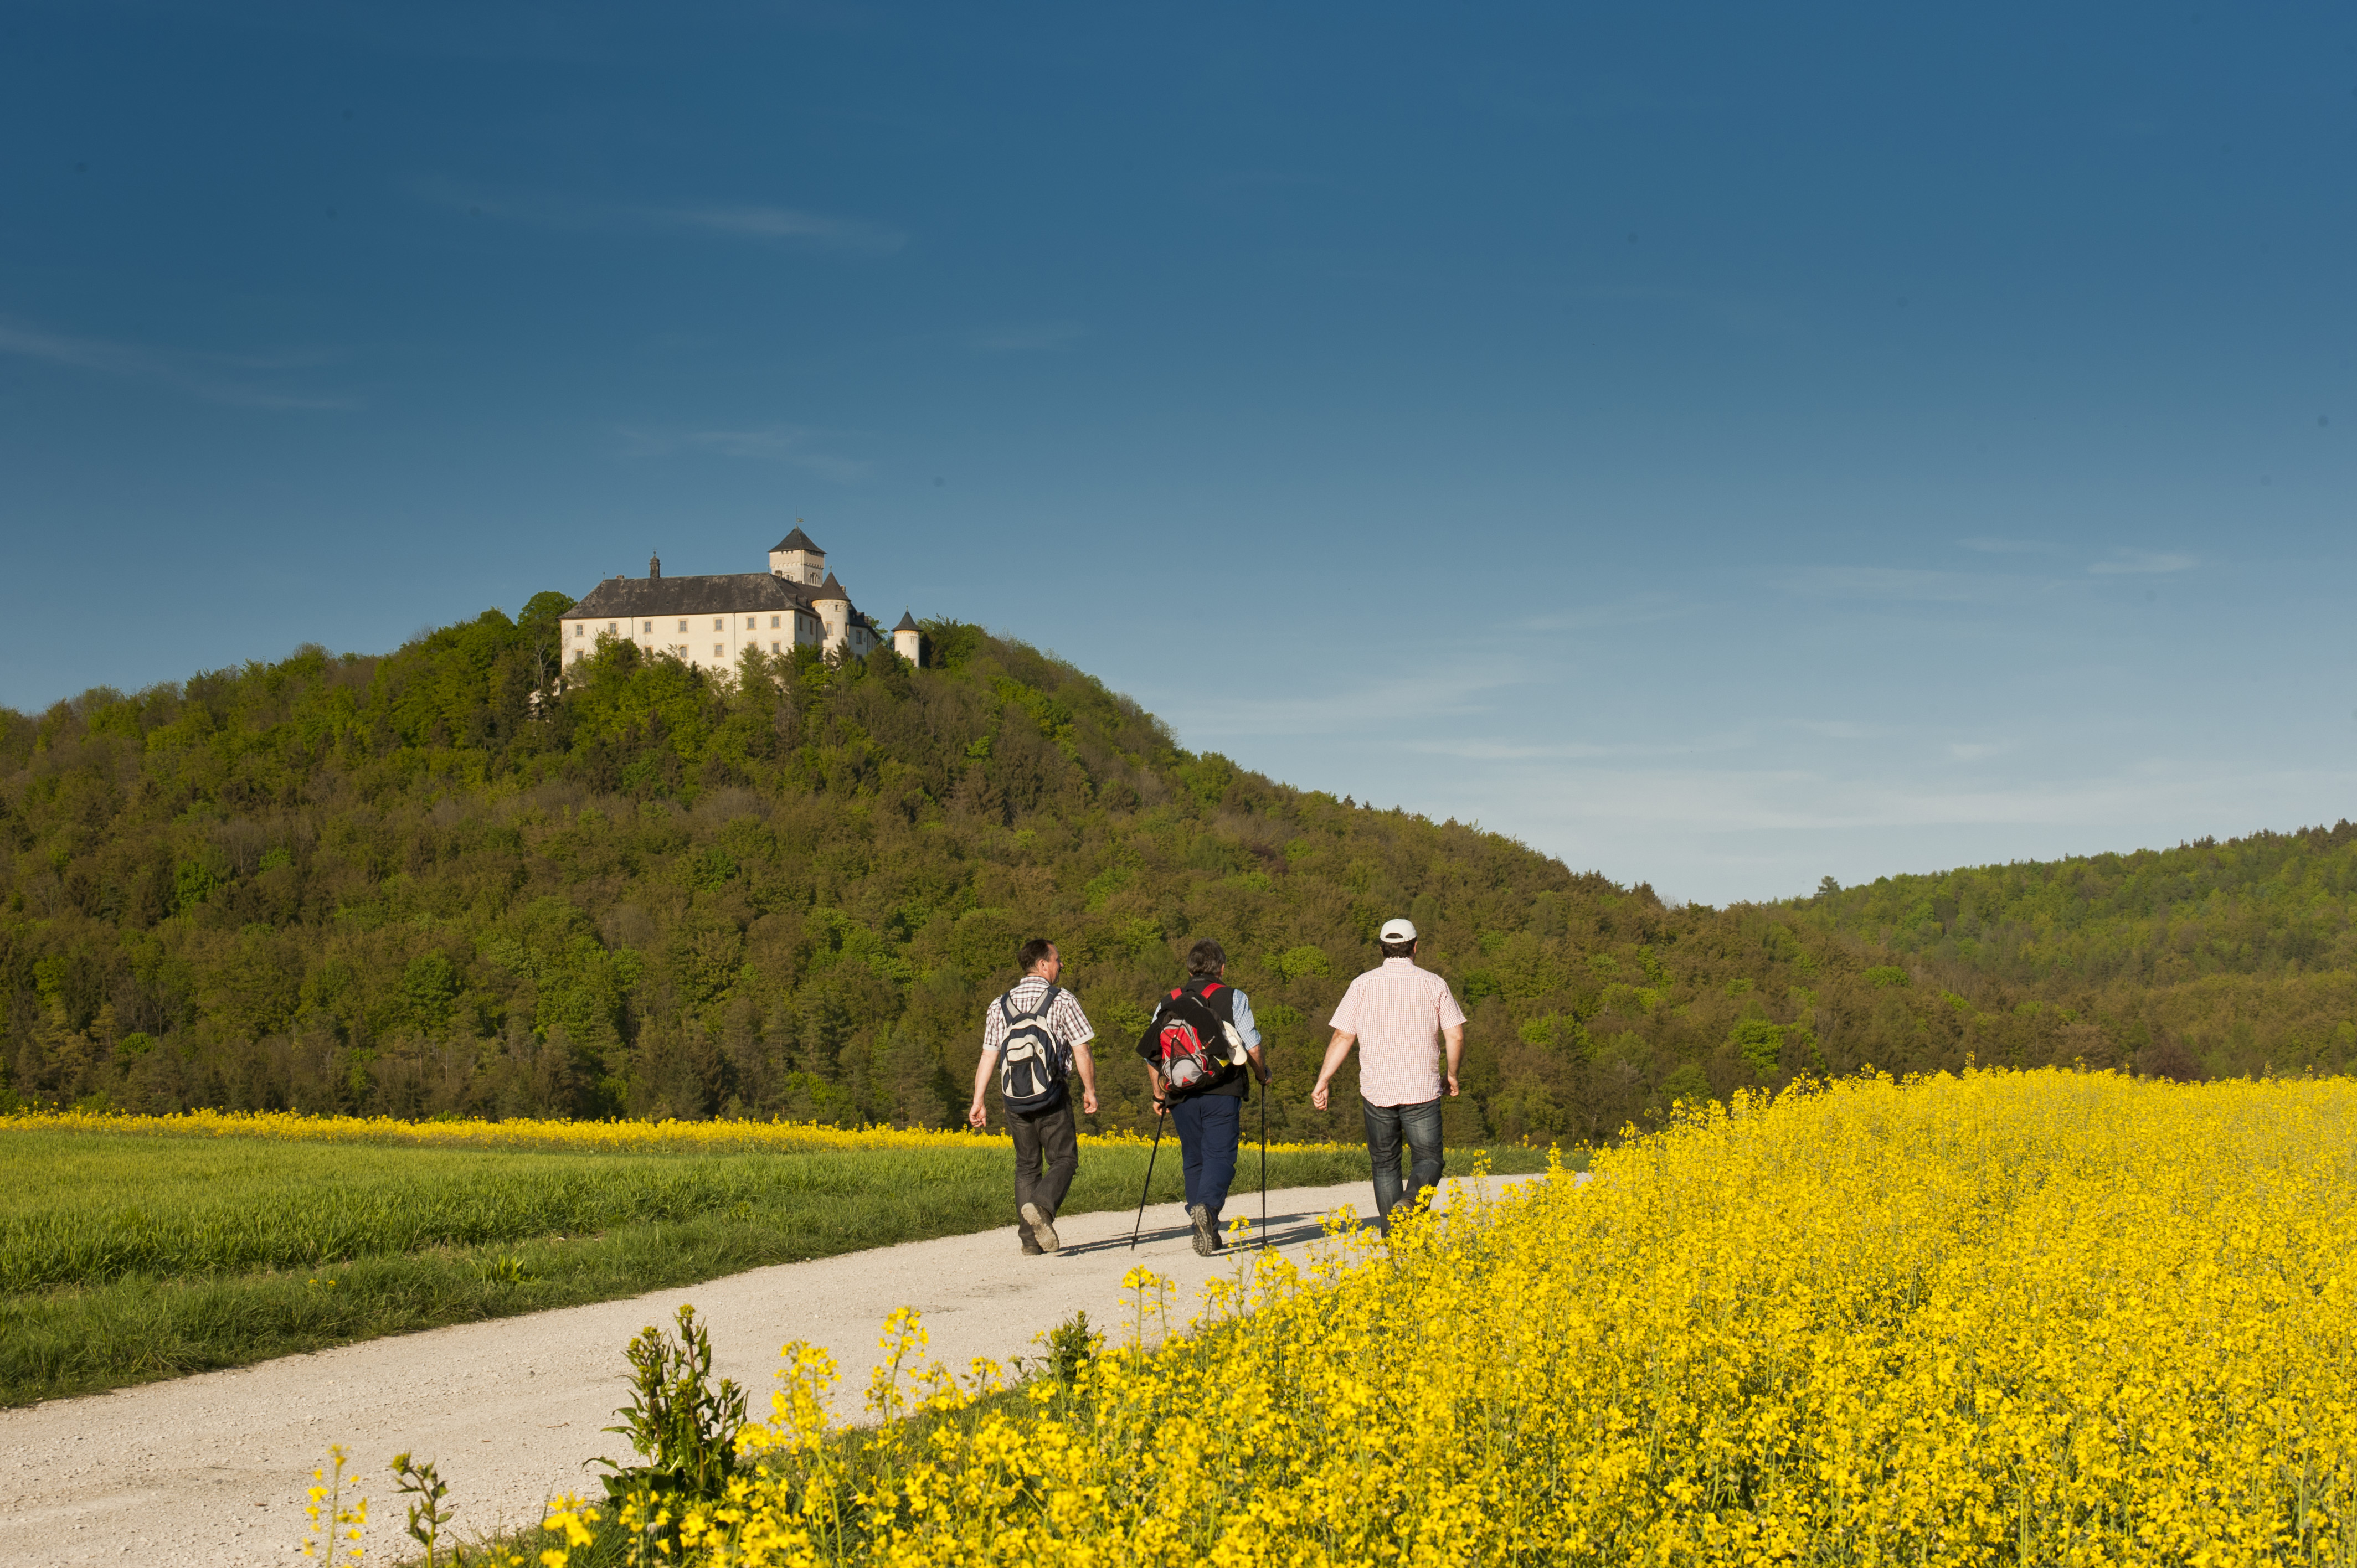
211,1469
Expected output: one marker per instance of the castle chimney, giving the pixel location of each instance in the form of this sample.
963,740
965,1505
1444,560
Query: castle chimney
655,567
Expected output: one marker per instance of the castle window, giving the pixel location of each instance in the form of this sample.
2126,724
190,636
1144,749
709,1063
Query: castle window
612,627
719,623
650,626
580,629
682,626
718,651
773,646
773,623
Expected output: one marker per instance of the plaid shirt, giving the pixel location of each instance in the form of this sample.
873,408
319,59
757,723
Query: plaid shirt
1065,1022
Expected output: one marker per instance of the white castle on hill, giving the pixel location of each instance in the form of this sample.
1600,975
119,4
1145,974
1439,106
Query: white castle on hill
712,621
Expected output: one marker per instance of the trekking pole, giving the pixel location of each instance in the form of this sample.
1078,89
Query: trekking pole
1150,1179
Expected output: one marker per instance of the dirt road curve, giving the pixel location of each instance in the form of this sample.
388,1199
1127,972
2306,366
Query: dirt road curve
210,1470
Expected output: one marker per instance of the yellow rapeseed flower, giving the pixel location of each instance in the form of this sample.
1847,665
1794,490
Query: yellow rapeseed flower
2047,1318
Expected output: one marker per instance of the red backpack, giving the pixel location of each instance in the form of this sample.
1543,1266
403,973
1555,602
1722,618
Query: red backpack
1190,1058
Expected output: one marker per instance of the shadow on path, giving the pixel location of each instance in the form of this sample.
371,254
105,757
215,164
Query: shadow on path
1280,1234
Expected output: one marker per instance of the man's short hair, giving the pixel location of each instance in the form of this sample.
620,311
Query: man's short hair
1398,949
1206,957
1031,954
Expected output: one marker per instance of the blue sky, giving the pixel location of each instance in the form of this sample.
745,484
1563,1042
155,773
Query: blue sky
1720,448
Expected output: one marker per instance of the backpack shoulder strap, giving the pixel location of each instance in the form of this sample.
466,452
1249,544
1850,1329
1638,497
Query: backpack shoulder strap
1191,1006
1006,1005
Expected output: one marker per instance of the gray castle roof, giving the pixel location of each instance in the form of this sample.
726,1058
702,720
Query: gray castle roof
624,598
907,623
830,589
798,540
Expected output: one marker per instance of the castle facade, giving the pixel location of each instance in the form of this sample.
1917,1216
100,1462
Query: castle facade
711,622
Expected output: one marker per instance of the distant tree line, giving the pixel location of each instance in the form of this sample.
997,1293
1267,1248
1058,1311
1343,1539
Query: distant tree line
2235,958
441,881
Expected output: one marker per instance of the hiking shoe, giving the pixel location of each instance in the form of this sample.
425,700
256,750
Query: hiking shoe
1207,1237
1043,1229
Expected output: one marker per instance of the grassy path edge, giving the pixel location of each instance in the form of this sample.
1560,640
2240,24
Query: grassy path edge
79,1340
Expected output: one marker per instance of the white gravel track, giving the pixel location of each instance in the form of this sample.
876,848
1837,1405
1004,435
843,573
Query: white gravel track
211,1469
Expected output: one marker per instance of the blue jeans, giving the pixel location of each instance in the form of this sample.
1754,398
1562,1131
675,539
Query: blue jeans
1387,1125
1209,1128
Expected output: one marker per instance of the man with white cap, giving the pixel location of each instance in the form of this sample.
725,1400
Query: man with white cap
1399,1017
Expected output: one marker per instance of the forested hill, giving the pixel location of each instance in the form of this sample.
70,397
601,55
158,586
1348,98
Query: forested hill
430,881
2240,951
2274,903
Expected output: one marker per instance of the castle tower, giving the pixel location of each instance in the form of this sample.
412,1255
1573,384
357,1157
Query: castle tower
833,606
908,640
798,559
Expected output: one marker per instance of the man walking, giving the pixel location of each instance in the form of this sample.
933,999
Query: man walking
1397,1015
1197,1047
1035,1037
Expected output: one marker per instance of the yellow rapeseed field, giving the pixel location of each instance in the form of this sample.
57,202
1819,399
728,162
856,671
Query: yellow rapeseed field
2012,1318
526,1132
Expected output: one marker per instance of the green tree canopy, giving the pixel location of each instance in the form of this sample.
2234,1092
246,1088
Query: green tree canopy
440,880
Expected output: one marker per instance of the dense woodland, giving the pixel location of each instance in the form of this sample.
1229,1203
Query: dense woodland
437,882
2213,959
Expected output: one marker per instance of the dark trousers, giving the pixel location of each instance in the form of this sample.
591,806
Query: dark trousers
1387,1127
1049,1138
1209,1125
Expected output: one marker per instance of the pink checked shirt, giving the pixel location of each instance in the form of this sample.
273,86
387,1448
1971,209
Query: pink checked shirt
1398,1011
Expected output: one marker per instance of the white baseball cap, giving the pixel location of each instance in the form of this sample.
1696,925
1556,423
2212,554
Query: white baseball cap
1396,931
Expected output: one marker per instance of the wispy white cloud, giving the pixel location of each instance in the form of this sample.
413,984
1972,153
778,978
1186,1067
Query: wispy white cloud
196,375
1641,610
849,234
1793,800
1479,750
738,219
2129,563
1902,584
802,447
1435,694
1035,338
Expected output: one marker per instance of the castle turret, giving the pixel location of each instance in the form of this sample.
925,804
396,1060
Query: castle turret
798,559
655,567
833,606
908,638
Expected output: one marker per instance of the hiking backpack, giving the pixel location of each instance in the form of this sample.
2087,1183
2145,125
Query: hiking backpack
1193,1050
1030,1063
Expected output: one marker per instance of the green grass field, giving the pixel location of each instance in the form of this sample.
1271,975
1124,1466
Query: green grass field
125,1258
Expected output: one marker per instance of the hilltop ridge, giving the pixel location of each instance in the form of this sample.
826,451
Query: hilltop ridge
432,881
